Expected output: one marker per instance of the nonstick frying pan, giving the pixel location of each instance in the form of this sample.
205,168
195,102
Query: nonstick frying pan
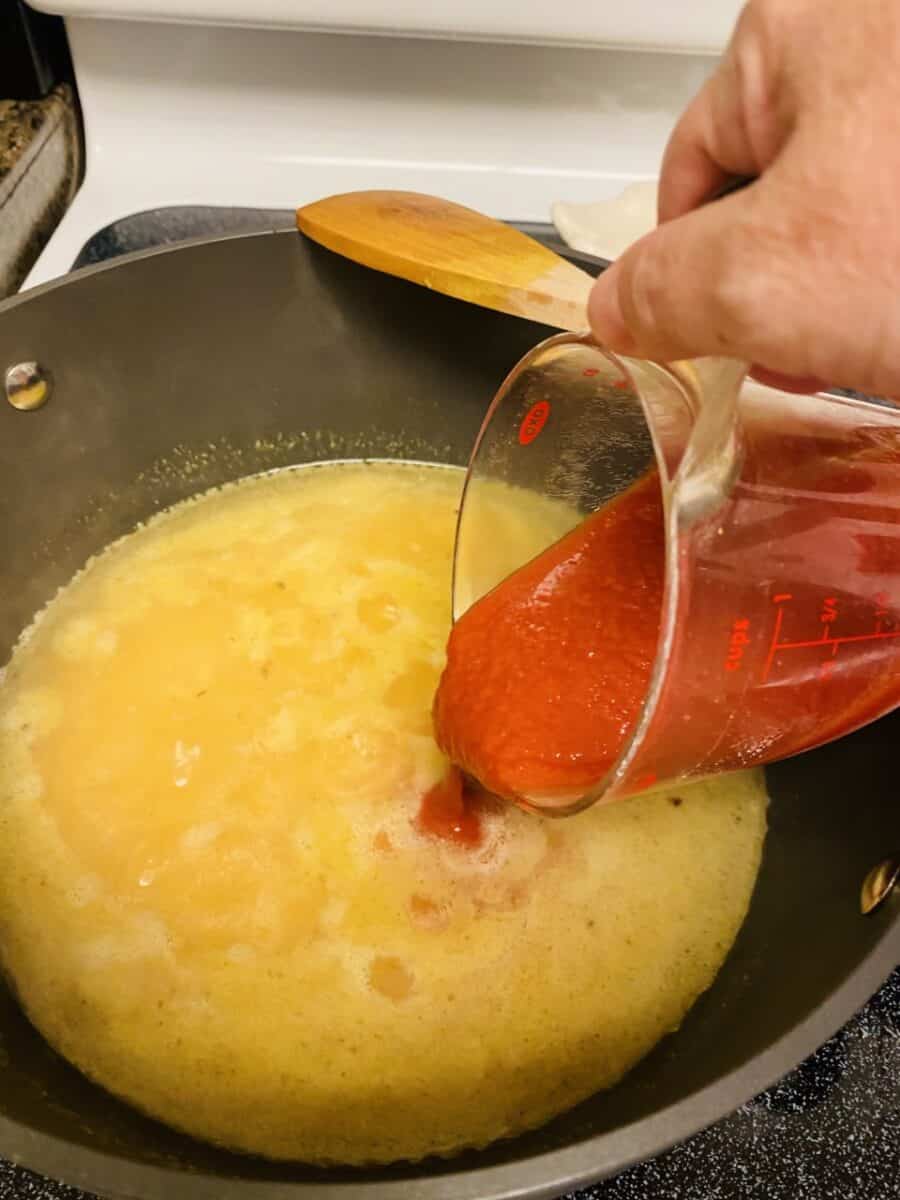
175,370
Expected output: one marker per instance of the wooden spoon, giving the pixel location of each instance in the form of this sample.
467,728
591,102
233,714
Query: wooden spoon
453,250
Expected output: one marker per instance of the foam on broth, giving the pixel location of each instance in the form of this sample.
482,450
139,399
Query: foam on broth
214,897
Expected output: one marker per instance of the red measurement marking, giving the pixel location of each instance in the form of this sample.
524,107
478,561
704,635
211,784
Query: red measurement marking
621,384
828,615
834,642
738,639
773,648
840,641
781,597
590,372
533,422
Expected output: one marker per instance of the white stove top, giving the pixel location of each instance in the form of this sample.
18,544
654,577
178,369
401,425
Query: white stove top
264,118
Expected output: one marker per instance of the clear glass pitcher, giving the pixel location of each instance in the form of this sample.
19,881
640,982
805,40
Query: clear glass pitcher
780,622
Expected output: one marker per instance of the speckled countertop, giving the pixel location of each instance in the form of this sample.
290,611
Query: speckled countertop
40,164
20,121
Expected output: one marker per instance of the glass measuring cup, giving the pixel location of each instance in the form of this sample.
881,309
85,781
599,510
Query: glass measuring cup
780,622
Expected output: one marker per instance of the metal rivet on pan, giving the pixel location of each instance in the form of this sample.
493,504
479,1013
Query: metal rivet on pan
879,883
27,386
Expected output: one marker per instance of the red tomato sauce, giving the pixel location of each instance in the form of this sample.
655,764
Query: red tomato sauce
451,810
546,674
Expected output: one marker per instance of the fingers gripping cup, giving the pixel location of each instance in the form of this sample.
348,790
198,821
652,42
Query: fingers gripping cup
771,620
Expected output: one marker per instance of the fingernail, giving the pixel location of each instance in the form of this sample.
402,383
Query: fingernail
605,314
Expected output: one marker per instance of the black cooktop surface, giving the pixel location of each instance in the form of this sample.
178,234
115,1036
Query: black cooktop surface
828,1131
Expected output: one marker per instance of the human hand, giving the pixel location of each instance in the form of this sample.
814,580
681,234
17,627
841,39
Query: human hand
798,273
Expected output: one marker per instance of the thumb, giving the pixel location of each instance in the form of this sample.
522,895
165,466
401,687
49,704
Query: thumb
721,280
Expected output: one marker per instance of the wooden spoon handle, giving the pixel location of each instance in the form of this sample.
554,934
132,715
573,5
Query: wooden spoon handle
453,250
